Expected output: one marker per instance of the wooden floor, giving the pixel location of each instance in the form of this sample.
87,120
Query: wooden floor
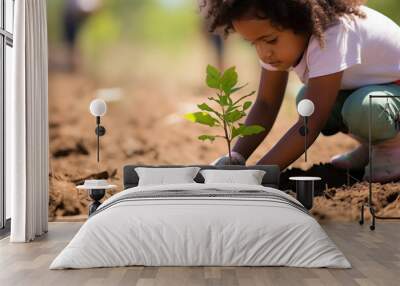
375,257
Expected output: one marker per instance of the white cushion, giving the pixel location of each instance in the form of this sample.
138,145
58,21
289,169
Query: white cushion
248,177
163,176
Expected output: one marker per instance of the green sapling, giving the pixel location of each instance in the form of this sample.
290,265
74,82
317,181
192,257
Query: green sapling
229,111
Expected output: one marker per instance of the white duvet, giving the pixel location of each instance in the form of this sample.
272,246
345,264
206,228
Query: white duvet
185,231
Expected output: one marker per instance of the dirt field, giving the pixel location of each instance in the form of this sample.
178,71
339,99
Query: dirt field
145,126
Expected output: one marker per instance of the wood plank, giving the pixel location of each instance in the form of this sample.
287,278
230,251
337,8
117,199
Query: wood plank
375,257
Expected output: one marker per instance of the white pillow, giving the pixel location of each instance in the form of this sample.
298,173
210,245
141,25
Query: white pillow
163,176
248,177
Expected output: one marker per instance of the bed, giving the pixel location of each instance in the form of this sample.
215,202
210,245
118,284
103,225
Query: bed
201,224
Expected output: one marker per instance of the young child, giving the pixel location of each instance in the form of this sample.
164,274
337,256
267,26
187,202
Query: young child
343,52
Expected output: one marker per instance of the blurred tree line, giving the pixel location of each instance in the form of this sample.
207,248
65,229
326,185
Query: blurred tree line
161,22
124,32
153,25
167,23
390,8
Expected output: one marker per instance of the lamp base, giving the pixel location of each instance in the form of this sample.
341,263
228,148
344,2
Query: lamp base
96,195
305,193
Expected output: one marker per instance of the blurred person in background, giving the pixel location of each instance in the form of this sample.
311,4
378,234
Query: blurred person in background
213,38
74,15
217,43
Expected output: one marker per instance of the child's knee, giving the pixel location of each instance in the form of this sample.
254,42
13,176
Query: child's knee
356,112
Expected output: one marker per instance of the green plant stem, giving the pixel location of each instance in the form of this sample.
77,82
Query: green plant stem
229,142
230,154
226,132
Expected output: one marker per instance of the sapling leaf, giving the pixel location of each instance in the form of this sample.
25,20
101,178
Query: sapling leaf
202,118
207,137
213,78
223,100
212,82
229,80
232,107
246,105
245,130
214,99
213,71
233,116
234,132
238,88
206,107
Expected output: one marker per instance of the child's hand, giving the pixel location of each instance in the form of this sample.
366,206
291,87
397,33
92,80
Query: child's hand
237,159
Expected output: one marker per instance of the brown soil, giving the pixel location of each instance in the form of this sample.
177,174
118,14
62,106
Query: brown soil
146,127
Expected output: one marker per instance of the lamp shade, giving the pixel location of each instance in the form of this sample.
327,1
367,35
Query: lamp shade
305,107
98,107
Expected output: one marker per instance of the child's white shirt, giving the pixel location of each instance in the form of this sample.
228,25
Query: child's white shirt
366,50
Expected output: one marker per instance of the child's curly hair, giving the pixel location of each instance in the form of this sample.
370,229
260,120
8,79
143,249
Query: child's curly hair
301,16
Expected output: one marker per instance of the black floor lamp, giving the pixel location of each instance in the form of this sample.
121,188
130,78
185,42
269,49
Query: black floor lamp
305,184
305,109
369,204
98,108
97,188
